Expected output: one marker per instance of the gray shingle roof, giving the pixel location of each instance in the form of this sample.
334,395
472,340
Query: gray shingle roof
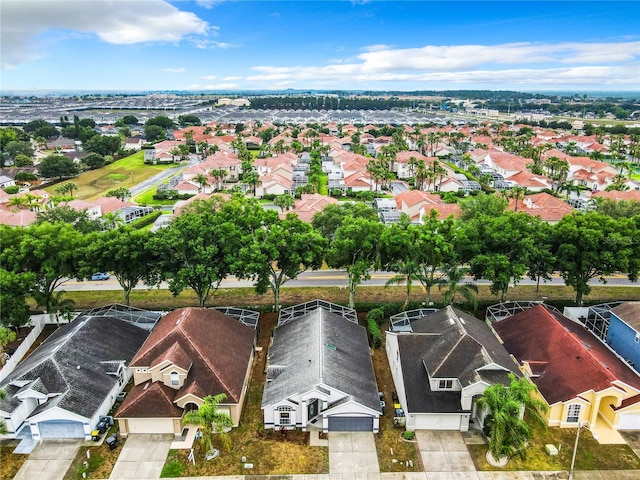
320,348
90,343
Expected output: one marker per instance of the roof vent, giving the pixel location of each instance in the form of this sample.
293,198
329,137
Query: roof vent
146,385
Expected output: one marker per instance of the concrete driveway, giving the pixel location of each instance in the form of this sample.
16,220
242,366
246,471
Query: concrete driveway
142,456
444,451
351,453
49,460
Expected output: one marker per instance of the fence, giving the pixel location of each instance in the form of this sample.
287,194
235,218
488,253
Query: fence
38,322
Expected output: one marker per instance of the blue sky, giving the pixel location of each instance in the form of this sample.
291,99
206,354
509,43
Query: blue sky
240,45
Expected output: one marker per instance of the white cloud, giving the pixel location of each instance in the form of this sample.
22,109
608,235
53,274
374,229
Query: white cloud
122,22
218,86
208,4
209,77
205,43
232,78
174,70
613,63
376,48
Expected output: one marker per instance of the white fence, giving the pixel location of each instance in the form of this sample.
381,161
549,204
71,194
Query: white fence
38,322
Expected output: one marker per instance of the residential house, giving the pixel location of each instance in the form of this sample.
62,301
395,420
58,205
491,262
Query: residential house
319,372
73,378
579,377
93,209
191,353
441,363
18,218
623,334
62,144
549,208
6,181
309,204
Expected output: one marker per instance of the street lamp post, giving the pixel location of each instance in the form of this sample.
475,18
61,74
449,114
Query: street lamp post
575,446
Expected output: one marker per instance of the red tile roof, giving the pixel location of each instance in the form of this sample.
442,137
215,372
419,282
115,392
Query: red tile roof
149,399
576,361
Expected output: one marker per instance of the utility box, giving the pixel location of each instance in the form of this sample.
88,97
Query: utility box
551,449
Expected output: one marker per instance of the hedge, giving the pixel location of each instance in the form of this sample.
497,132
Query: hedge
377,315
374,331
146,220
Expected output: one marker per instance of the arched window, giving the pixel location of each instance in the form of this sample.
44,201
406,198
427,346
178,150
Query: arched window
175,379
190,407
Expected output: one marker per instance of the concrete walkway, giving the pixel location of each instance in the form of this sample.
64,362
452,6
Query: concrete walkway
49,460
142,456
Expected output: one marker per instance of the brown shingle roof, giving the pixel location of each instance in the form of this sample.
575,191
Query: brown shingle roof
629,312
149,399
219,348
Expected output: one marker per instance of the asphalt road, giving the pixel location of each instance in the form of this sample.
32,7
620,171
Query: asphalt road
321,278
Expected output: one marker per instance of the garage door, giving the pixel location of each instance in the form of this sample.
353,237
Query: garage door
350,424
150,425
629,421
61,429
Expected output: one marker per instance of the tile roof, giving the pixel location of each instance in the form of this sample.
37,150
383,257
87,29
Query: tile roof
219,348
571,360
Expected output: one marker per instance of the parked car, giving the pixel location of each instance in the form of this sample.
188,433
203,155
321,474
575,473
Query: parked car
100,276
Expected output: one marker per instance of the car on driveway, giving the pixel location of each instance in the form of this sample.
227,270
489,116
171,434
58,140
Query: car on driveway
100,276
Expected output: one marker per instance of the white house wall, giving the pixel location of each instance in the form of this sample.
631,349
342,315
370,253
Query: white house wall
396,368
19,414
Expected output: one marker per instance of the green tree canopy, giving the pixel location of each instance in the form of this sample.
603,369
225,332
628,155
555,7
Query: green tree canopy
14,290
104,144
58,166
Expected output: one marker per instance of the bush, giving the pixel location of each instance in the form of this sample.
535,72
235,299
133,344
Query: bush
171,195
408,435
377,315
12,189
146,220
374,331
26,177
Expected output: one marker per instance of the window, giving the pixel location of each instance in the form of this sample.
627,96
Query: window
285,415
445,385
175,379
573,413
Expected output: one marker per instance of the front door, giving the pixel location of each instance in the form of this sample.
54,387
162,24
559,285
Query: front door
312,410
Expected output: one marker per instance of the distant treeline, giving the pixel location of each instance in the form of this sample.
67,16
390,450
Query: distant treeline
320,102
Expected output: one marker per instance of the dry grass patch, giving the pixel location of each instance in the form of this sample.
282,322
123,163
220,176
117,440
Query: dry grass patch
590,455
10,462
101,462
269,452
389,437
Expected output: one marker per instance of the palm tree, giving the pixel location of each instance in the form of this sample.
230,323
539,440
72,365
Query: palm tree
112,220
212,421
508,432
202,182
56,305
218,174
406,272
453,278
518,193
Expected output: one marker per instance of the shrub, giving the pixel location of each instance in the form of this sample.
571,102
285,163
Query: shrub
26,177
146,220
12,189
408,435
374,331
377,315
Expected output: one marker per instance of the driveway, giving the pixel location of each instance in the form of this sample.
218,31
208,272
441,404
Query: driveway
351,453
142,456
444,451
49,460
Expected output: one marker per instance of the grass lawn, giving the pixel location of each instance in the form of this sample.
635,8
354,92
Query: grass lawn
270,452
125,172
10,463
163,299
389,437
590,456
146,198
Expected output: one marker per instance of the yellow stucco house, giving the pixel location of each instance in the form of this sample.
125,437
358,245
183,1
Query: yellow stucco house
581,379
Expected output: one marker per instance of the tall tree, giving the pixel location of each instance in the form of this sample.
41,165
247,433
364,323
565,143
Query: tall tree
593,245
355,248
50,251
58,166
127,253
279,252
14,290
197,251
284,202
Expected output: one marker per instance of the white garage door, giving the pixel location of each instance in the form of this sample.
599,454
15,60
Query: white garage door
629,421
150,425
61,429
